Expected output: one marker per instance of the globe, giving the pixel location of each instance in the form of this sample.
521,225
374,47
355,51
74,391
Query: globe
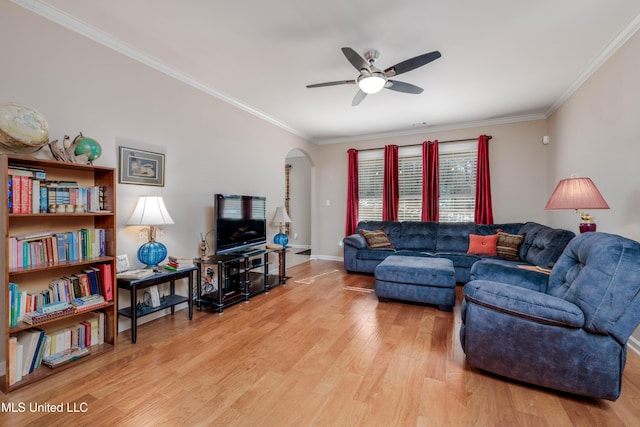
88,146
22,128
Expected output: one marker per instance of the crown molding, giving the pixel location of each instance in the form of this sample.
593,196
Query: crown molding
59,17
431,129
55,15
623,36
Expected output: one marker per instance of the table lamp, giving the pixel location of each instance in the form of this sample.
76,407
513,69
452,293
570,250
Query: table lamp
280,219
578,193
151,211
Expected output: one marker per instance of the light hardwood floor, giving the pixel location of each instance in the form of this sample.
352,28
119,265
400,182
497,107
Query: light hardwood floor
310,353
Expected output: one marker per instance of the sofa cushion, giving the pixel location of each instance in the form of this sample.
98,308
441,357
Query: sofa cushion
482,245
547,246
530,231
508,246
460,259
376,239
374,254
454,237
419,236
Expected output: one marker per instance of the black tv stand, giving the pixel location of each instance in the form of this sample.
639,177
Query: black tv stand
246,252
240,275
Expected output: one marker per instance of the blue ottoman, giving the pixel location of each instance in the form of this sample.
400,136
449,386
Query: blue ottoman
417,279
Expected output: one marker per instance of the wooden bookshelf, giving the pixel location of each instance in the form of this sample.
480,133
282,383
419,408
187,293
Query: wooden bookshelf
36,278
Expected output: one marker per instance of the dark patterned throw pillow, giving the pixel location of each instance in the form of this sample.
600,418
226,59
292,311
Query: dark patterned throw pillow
376,239
508,246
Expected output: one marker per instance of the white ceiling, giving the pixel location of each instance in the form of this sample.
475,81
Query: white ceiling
502,60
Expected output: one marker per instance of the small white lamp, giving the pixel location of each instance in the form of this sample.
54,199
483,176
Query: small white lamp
151,211
280,219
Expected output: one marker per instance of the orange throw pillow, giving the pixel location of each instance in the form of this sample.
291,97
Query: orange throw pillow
483,245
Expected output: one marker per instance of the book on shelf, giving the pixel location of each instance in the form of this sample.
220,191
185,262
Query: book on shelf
106,278
35,317
65,357
30,192
13,367
30,340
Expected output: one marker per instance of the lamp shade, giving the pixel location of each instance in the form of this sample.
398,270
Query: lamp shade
150,210
280,217
576,193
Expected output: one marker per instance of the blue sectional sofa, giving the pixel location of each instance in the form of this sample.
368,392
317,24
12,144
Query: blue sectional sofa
542,245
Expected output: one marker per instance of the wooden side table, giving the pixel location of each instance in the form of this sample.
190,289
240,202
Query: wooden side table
170,301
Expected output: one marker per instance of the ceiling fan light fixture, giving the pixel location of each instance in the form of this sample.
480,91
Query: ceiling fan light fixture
373,83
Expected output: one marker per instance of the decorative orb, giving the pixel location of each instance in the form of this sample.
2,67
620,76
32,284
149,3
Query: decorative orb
281,239
22,128
88,146
152,253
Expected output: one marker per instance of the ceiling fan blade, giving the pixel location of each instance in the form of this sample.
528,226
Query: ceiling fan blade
356,60
339,82
403,87
412,64
358,98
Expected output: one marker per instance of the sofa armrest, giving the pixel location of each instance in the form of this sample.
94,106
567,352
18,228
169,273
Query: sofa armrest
498,271
523,303
355,240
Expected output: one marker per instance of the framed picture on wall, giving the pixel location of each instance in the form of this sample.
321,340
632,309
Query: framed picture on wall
141,167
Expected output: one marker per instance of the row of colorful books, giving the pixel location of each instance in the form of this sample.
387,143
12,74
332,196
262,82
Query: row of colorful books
30,192
49,247
75,290
34,347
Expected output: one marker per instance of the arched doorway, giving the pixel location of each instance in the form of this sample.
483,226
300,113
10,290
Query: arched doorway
298,201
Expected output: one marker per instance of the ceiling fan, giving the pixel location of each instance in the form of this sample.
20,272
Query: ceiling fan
372,80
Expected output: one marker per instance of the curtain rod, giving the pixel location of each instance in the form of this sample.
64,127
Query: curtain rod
417,145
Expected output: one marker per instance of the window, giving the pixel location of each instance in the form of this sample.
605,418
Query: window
457,179
410,183
370,185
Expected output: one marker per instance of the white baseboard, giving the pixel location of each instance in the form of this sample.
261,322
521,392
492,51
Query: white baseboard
634,345
327,257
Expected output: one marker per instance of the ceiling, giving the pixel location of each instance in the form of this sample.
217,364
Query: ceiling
502,60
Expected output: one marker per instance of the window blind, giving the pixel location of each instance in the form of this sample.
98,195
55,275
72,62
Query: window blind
370,185
410,185
457,178
457,181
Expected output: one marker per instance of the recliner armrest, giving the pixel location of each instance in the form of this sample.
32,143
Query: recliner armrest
524,303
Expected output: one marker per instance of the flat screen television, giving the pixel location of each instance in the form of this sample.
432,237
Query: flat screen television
240,222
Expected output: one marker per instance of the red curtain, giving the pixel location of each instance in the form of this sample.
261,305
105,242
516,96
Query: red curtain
352,193
391,190
483,210
430,185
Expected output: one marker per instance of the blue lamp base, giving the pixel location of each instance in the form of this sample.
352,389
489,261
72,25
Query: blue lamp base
281,239
152,253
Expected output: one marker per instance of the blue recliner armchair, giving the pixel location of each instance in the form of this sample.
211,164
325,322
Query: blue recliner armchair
567,331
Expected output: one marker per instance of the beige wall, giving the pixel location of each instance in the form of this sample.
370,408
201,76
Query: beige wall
210,146
596,134
517,157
